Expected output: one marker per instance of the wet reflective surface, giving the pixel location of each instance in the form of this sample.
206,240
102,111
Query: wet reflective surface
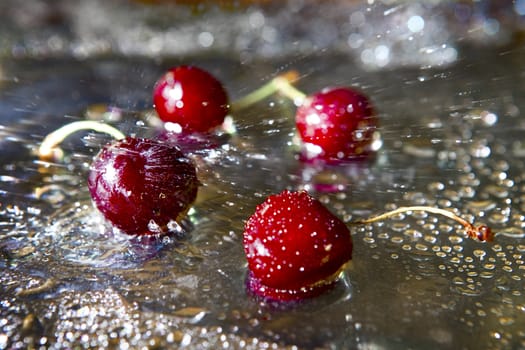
452,137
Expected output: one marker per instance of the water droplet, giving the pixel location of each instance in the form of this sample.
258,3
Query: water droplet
480,150
469,290
497,191
498,218
478,206
495,335
436,186
486,274
416,24
446,228
369,240
455,260
421,247
414,234
507,268
400,226
497,248
506,321
430,239
397,239
455,239
479,253
481,313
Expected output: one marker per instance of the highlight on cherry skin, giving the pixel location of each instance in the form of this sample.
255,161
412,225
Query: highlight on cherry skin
297,249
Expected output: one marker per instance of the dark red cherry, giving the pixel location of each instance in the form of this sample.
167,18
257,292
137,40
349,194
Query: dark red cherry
295,247
142,186
336,124
190,97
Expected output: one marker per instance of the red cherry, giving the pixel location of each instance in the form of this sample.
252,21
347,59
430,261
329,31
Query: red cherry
142,186
336,125
295,247
190,97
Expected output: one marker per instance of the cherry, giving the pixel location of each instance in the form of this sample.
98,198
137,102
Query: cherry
295,247
142,186
336,124
191,97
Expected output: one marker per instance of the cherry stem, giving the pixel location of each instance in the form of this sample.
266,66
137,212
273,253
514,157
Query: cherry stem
49,148
282,83
481,232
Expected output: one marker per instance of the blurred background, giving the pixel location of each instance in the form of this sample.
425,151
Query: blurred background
377,33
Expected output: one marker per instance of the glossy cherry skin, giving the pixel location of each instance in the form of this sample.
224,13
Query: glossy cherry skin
294,246
142,186
336,124
192,98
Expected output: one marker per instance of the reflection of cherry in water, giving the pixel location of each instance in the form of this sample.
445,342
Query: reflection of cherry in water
297,249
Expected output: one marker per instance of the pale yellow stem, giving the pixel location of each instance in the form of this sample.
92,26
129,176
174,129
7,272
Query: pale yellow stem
281,83
482,232
49,148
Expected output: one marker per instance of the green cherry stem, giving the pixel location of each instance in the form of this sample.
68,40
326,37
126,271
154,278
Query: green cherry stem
282,83
481,232
49,147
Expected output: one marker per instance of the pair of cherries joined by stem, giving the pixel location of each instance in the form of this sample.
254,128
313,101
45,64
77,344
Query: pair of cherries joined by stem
294,246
